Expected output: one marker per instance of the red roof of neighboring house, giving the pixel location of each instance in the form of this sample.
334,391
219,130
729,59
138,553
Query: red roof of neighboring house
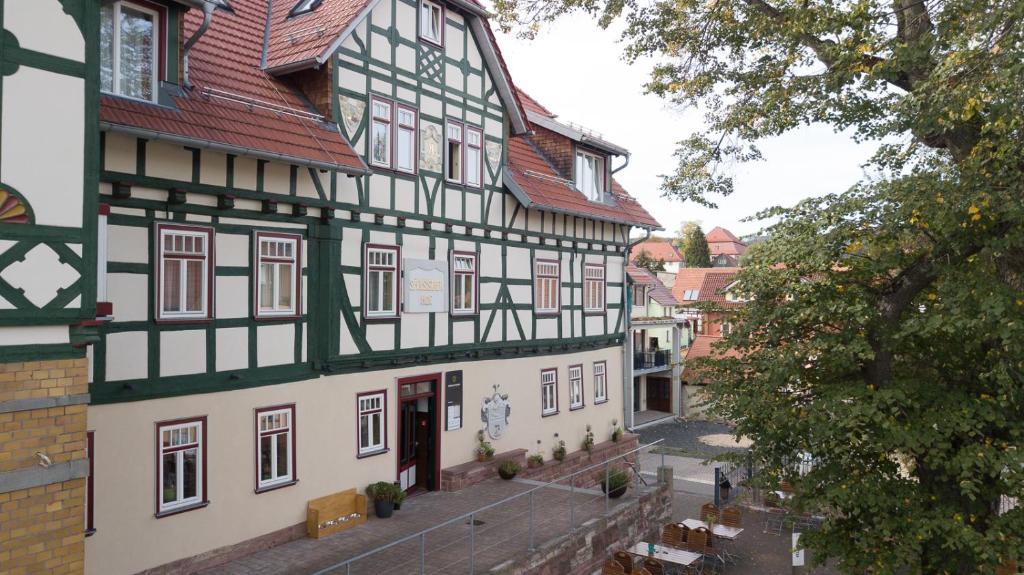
722,241
532,105
657,249
713,288
704,346
694,280
226,61
306,37
659,292
546,189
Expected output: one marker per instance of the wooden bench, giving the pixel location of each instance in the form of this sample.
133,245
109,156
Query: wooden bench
333,513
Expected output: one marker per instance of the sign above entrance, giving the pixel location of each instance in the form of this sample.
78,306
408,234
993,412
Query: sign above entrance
495,412
426,286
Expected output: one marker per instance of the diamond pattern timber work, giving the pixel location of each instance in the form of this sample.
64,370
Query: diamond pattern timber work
40,275
431,63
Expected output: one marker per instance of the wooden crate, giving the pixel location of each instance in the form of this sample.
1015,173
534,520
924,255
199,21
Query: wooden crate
333,513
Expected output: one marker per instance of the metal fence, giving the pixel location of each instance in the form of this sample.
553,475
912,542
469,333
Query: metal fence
732,479
503,530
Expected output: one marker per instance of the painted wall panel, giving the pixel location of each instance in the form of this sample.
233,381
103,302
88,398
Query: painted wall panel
213,168
380,336
415,330
232,297
22,335
131,292
31,141
462,332
129,244
169,161
233,249
275,344
232,348
182,352
43,26
127,354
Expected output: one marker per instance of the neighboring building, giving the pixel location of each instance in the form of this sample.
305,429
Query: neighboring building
659,249
656,337
695,380
48,177
320,252
725,248
695,288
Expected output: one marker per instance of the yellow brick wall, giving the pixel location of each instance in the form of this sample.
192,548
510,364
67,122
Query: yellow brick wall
42,528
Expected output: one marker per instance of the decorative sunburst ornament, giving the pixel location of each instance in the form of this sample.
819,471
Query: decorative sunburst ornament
13,209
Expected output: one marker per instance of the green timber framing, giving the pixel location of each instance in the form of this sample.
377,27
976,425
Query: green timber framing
28,236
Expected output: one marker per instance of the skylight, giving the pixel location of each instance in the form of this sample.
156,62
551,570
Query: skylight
304,6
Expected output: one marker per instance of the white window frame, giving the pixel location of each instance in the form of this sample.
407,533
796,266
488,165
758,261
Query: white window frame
199,444
458,279
116,46
473,140
449,125
394,268
594,288
209,238
576,400
600,382
431,6
295,241
544,283
548,392
369,412
388,122
288,430
599,175
410,128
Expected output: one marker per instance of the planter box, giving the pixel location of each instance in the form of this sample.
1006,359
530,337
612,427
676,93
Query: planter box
334,513
473,472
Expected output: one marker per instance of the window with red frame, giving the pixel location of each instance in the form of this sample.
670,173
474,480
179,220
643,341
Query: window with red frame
545,282
464,283
548,392
275,447
185,258
380,131
181,463
279,274
600,382
575,386
593,288
130,49
405,140
474,157
381,276
454,152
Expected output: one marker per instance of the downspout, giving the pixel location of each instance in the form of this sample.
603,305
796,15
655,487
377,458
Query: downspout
627,344
623,166
208,8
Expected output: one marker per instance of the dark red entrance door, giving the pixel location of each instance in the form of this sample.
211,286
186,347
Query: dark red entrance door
419,430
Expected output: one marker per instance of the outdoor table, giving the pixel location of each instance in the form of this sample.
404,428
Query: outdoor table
667,554
719,530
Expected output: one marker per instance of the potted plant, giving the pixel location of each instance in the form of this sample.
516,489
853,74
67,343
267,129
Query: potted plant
537,459
588,440
384,495
772,499
723,487
614,482
508,469
484,449
399,497
616,431
559,450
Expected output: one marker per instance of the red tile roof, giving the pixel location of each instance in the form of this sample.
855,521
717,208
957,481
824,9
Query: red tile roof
704,346
659,292
532,105
640,275
253,110
657,249
690,279
720,234
546,189
713,288
307,37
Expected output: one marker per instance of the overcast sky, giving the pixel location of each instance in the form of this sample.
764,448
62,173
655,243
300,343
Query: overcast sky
575,69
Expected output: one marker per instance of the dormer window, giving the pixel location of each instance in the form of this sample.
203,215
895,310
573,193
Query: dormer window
304,6
431,22
129,48
590,175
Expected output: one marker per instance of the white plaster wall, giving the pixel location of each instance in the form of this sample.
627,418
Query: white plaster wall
131,294
130,539
182,352
42,25
275,344
127,354
44,118
232,348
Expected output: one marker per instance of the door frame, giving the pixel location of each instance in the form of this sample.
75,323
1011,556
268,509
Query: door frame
436,378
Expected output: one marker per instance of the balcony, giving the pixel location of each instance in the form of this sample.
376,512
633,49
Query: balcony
654,359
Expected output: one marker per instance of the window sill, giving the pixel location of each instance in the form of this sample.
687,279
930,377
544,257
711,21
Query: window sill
430,42
373,453
381,318
599,402
578,407
547,313
275,486
182,320
269,318
464,315
549,414
388,170
177,510
595,312
90,532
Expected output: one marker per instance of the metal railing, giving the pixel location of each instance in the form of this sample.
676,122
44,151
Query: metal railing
651,359
469,518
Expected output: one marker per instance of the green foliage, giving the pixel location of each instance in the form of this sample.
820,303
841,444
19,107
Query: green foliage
682,237
509,467
697,254
384,491
536,459
646,261
889,343
614,479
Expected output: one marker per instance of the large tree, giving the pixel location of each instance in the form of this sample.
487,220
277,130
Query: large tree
681,239
645,260
697,254
889,343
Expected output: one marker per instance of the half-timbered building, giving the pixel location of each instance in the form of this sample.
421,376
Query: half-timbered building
332,231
